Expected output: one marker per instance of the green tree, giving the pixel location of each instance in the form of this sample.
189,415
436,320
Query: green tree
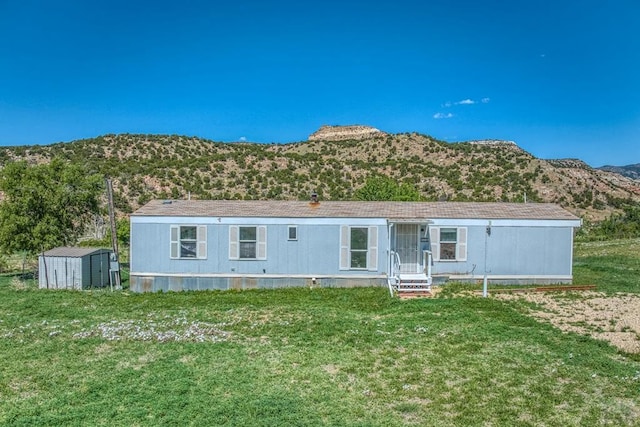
46,205
623,225
380,187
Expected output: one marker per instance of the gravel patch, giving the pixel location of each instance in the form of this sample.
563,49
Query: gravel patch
613,318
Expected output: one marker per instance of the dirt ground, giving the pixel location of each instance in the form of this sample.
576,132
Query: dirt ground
612,318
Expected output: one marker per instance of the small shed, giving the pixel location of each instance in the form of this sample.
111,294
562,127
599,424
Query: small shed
74,268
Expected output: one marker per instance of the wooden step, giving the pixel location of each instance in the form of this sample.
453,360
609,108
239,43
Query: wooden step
415,285
414,294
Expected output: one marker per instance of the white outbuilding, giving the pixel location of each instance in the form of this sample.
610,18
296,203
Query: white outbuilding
74,268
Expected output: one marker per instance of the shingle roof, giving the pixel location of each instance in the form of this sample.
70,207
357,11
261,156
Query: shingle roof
72,252
353,209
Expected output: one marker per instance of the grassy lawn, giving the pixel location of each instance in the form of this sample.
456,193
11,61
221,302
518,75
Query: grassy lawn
309,357
612,265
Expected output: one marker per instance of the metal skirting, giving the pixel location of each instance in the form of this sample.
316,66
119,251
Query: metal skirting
173,283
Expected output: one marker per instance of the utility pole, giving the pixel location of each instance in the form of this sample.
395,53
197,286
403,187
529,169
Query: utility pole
114,267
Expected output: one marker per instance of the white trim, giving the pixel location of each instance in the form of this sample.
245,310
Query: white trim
344,261
261,242
461,244
234,244
434,242
460,222
389,256
267,276
571,254
174,242
131,257
175,239
372,248
461,248
201,242
445,222
206,220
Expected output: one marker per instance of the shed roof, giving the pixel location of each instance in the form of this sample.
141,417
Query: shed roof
353,209
73,252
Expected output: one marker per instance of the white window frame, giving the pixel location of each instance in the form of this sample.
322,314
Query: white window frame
175,246
460,250
293,228
371,252
235,243
243,242
353,251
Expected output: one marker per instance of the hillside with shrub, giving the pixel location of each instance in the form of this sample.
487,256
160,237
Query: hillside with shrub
145,167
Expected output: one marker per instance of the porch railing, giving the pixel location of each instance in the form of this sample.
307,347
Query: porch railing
396,270
396,266
427,257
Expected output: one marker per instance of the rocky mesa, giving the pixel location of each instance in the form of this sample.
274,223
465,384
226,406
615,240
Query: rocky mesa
342,133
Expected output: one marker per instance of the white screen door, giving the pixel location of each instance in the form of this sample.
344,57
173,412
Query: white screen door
407,247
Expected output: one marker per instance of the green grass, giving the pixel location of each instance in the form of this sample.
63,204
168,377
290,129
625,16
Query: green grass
306,357
611,265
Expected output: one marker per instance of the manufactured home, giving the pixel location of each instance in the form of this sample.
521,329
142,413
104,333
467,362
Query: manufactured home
219,244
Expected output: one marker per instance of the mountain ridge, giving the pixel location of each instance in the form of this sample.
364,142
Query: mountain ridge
630,171
144,167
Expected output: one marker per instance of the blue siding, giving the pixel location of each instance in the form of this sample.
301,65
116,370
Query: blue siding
522,251
315,252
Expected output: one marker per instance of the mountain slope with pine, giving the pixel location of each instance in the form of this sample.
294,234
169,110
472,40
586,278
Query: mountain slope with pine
144,167
630,171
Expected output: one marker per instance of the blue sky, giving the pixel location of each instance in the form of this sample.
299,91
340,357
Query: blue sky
560,78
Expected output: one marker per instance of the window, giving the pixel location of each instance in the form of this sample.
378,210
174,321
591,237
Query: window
248,242
359,248
448,243
448,240
293,232
188,241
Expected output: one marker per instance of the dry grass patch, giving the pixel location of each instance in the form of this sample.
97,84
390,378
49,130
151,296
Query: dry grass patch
613,318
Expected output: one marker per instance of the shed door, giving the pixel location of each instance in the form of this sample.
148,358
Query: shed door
407,247
98,266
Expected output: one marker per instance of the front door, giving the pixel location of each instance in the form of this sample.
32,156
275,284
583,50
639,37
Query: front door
407,237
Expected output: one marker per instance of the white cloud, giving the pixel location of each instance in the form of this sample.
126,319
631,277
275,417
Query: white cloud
243,139
467,101
442,116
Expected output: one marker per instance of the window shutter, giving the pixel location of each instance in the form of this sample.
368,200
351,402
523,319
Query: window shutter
233,242
175,243
201,247
461,254
434,239
261,252
372,254
344,247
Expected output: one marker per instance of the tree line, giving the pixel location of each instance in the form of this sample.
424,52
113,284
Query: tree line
47,205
